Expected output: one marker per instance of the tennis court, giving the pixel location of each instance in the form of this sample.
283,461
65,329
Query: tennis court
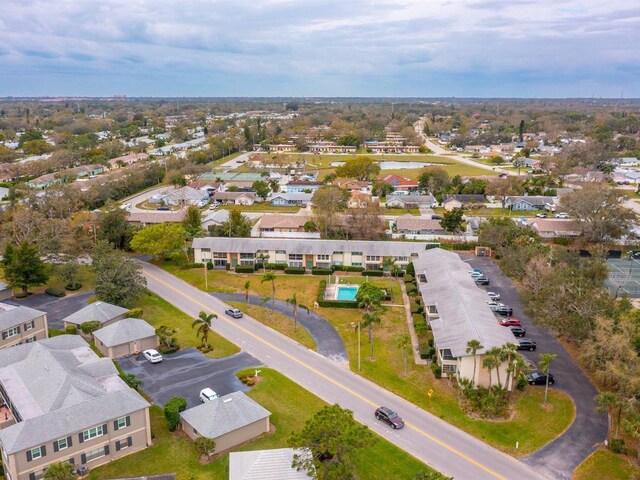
624,276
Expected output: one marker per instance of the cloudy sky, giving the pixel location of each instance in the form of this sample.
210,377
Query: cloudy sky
465,48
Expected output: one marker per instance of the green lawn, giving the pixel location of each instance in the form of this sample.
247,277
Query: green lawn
401,211
531,425
290,404
603,464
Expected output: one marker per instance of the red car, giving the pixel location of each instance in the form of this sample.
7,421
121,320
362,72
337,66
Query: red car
509,322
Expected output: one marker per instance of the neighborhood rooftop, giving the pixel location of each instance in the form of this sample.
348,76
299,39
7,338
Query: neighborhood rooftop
124,331
98,311
11,315
272,464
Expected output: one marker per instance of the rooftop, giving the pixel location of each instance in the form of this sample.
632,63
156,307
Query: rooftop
99,311
272,464
11,315
124,331
283,221
158,217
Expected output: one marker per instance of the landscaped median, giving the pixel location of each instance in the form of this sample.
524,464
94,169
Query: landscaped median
530,425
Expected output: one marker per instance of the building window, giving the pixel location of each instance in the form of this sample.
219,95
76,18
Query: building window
295,256
281,252
31,340
449,369
356,264
373,258
36,453
29,325
323,257
402,259
62,443
205,249
93,454
247,256
12,332
356,254
121,423
122,444
93,433
219,255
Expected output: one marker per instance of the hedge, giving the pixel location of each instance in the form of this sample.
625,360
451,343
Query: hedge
411,288
244,269
437,370
408,278
458,246
411,270
346,268
186,266
55,292
135,313
72,287
415,308
372,273
295,270
321,271
332,303
90,326
70,330
275,266
419,319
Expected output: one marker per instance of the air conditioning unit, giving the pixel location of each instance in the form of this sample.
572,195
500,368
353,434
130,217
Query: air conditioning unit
83,470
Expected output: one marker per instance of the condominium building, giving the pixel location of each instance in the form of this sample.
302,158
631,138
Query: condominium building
21,325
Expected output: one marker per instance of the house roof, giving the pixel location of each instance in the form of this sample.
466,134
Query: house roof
461,304
224,414
217,217
310,246
124,331
465,198
283,221
397,180
536,200
60,386
419,199
411,222
292,196
130,158
157,217
187,194
233,195
99,311
274,464
11,315
554,225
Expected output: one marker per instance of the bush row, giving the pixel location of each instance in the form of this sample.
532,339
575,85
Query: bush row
372,273
321,271
244,269
332,303
55,292
295,270
346,268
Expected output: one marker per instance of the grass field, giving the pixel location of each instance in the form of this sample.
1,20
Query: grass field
290,405
603,464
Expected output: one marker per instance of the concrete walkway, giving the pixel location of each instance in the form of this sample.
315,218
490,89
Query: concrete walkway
412,331
328,341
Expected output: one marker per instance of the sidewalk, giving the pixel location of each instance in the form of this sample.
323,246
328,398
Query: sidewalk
412,331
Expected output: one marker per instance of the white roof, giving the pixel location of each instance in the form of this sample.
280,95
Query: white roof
272,464
98,311
11,316
124,331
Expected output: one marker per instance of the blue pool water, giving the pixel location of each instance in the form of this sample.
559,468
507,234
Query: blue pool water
347,293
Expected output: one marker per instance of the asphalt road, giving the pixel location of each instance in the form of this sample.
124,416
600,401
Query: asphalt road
559,458
55,308
186,372
426,437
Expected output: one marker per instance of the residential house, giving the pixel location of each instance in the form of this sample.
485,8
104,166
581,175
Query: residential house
457,311
302,186
21,325
62,403
400,185
6,292
102,312
235,198
64,176
410,201
125,337
215,218
273,464
353,185
627,161
282,148
282,223
530,202
152,217
289,199
626,176
126,160
555,227
359,199
412,225
185,196
222,251
449,202
230,420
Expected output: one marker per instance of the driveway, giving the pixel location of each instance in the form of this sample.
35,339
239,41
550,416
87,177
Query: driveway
328,340
559,458
55,308
186,372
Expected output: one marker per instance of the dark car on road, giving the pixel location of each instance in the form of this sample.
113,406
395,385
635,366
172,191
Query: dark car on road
518,331
233,312
509,322
537,378
504,310
389,417
526,344
482,280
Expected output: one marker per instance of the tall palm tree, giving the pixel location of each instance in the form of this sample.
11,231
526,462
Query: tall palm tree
203,322
546,359
508,353
517,368
402,342
490,362
270,277
495,354
611,403
472,347
293,301
368,319
247,284
60,471
388,263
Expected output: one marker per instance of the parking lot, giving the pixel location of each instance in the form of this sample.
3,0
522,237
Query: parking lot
186,372
55,308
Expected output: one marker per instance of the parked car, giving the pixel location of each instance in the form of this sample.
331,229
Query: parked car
436,217
526,344
152,355
389,417
494,296
476,274
477,270
163,208
517,331
481,280
561,215
504,310
509,322
233,312
207,395
541,215
537,378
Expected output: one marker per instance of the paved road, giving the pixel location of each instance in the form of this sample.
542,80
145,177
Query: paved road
559,458
186,372
328,341
55,308
426,437
235,162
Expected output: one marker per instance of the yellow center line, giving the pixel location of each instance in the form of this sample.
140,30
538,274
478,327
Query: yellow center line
329,379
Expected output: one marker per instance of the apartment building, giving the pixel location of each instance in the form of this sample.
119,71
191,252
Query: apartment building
20,325
62,403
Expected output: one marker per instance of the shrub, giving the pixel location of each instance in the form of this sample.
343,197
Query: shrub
209,265
415,307
321,271
251,382
437,370
227,267
55,292
372,273
187,266
419,322
205,446
275,266
411,270
295,270
135,313
521,383
90,326
71,330
411,289
72,287
167,350
346,268
408,278
21,295
244,269
55,332
172,411
617,445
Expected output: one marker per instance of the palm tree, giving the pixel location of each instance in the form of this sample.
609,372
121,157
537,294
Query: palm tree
270,277
490,362
495,354
472,347
508,353
368,319
545,365
610,402
517,368
388,263
632,427
203,322
402,342
262,258
60,471
293,301
247,284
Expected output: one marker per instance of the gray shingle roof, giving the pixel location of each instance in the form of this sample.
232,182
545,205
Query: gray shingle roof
124,331
462,306
11,316
99,311
272,464
225,414
59,387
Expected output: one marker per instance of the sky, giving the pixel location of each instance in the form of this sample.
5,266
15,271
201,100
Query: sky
330,48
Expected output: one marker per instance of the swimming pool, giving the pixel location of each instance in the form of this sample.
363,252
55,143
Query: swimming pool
346,293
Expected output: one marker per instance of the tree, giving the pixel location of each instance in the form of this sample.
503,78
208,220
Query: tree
610,402
600,212
365,222
23,268
402,342
203,322
160,240
293,301
119,279
247,284
546,359
270,277
113,226
472,347
520,130
508,353
360,168
368,320
68,272
205,446
166,337
452,220
632,427
192,224
131,380
237,225
264,302
369,297
350,139
332,437
503,188
261,188
434,180
388,263
382,189
60,471
492,359
328,201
